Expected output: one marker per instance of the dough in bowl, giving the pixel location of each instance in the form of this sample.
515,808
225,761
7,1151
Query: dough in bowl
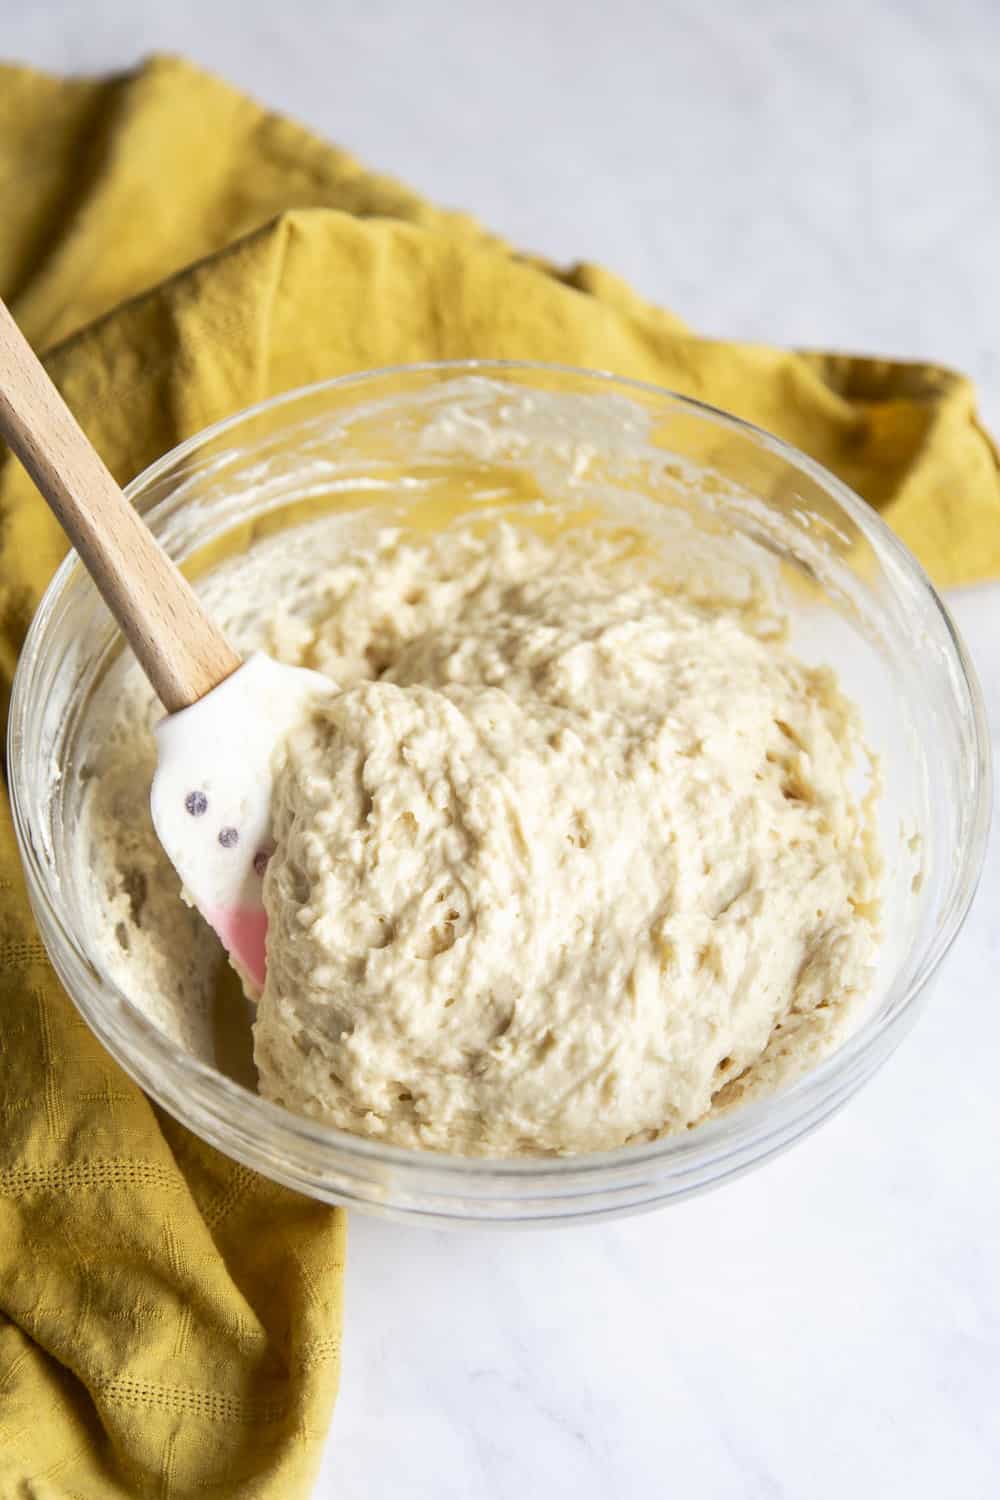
566,860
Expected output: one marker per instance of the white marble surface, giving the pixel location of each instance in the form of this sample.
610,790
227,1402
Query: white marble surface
823,176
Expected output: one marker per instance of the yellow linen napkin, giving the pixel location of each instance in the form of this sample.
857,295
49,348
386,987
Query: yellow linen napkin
169,1322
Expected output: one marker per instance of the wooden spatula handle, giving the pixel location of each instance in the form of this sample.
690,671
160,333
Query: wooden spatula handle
182,653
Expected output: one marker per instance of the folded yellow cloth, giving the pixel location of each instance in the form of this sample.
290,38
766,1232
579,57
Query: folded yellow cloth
169,1322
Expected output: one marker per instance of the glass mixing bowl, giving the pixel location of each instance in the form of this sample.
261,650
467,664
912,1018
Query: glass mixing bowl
429,444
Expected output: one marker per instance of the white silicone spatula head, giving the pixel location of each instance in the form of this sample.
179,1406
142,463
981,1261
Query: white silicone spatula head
211,797
212,790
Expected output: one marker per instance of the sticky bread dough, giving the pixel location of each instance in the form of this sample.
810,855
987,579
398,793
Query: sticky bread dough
564,861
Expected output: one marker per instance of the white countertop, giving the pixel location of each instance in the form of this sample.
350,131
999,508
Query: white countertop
830,1325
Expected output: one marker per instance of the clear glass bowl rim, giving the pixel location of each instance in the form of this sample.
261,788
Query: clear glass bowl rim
268,1133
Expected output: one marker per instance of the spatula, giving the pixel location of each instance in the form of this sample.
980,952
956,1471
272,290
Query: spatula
211,794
